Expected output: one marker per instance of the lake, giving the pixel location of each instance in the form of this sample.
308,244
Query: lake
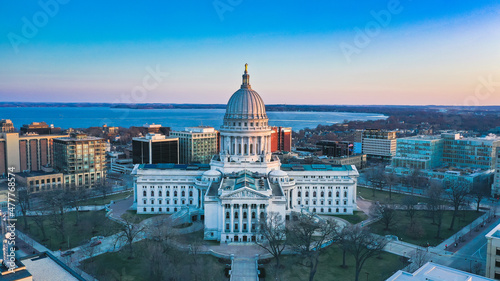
177,119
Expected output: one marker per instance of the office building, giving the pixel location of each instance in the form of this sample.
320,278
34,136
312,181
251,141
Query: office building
379,144
82,160
477,153
26,152
155,149
493,253
40,128
197,144
419,152
6,126
281,139
335,148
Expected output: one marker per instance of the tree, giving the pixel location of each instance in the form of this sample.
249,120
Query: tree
387,214
130,230
436,205
39,220
23,197
418,258
308,237
376,177
104,189
272,228
479,191
391,179
457,190
75,198
409,203
361,244
57,203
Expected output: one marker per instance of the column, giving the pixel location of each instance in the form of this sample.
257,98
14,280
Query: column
231,215
261,144
241,218
249,217
223,218
258,215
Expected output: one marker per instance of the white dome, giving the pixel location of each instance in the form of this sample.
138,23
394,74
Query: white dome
278,173
245,103
212,173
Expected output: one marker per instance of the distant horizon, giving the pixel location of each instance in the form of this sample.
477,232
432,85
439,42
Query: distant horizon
224,104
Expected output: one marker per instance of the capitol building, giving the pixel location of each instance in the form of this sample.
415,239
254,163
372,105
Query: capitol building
244,182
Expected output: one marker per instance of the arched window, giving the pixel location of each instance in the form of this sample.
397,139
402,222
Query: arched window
314,194
144,193
183,193
168,193
329,194
322,194
345,193
307,193
159,193
338,194
152,193
175,193
299,194
190,193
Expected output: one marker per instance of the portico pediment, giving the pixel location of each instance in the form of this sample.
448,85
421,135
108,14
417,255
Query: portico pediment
245,193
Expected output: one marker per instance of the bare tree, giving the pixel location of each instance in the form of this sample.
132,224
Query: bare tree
104,189
272,228
418,258
361,244
479,191
376,178
387,214
409,203
308,236
39,220
23,197
436,206
390,179
76,196
457,192
57,203
130,230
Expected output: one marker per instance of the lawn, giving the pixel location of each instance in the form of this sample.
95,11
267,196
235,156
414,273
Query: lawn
329,267
104,201
357,217
176,264
383,196
428,230
137,218
91,224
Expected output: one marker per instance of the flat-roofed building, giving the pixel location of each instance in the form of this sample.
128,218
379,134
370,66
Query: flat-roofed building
493,253
155,149
419,152
197,144
379,143
82,160
436,272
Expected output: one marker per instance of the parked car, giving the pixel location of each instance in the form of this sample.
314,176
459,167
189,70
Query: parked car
95,243
96,238
67,253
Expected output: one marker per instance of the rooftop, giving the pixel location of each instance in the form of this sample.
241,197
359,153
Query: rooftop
316,167
168,166
494,233
436,272
36,174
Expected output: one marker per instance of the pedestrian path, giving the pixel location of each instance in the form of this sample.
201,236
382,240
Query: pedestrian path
244,269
